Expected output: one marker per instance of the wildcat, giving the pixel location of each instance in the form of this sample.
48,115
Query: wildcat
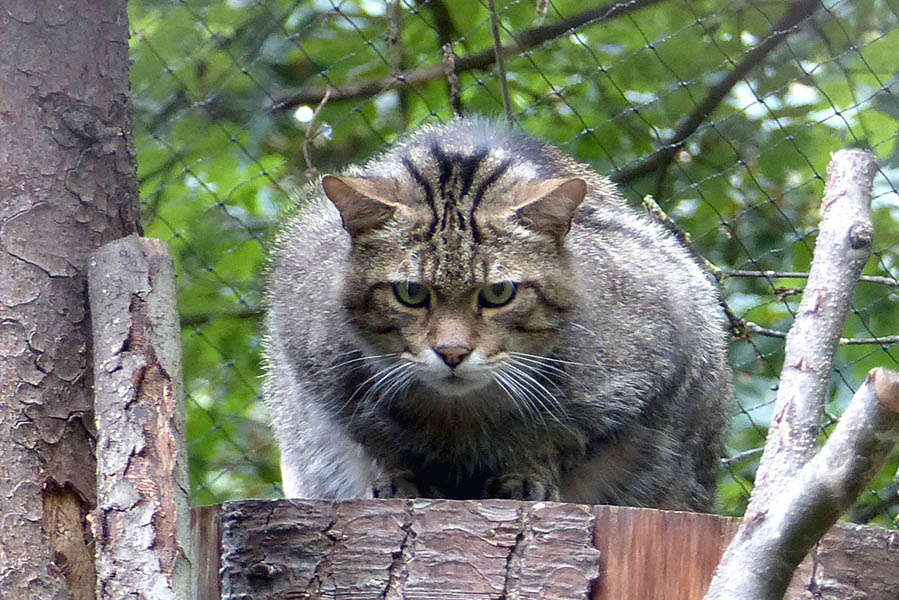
474,314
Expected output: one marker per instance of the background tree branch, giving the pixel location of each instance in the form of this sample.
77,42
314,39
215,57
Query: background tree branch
661,158
484,58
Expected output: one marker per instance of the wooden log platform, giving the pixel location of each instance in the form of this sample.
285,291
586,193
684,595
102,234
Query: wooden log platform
498,549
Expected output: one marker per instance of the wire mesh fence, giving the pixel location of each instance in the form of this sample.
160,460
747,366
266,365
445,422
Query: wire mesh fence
725,112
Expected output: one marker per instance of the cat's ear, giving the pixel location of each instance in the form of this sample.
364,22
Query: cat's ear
363,203
548,205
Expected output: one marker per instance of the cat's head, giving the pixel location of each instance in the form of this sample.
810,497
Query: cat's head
458,273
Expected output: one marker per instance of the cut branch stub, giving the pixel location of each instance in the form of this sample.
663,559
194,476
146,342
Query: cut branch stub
142,525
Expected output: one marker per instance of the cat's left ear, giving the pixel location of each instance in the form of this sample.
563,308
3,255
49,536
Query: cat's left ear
548,205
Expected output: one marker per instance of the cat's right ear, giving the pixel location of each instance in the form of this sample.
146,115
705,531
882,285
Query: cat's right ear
364,204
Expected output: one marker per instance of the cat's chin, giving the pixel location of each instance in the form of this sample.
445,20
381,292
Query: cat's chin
454,386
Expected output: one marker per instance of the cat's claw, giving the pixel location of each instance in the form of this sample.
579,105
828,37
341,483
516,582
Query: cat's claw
516,486
394,487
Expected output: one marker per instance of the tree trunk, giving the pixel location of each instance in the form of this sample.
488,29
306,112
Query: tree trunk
67,186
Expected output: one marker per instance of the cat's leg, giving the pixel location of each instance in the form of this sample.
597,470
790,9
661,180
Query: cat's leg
320,459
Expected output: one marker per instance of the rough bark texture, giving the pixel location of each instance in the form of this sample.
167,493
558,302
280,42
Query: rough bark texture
407,549
67,185
841,251
142,522
503,549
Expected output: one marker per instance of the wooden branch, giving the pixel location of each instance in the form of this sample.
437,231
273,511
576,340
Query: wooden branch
399,549
527,40
765,331
841,251
452,80
760,561
796,497
500,64
796,14
141,524
725,272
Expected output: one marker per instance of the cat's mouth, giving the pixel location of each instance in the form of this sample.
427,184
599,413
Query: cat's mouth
455,384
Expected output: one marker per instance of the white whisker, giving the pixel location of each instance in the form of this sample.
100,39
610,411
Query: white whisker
539,394
359,359
550,359
500,377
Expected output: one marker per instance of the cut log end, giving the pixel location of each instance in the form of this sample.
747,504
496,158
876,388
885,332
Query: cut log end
886,388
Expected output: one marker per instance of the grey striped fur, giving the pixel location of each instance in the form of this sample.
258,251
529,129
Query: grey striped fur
603,380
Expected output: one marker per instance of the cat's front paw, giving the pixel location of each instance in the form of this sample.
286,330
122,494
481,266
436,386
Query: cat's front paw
394,486
518,486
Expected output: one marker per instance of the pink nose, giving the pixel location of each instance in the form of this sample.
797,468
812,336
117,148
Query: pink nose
453,355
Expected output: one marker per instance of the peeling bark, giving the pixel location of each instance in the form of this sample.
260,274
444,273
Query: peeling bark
67,185
142,519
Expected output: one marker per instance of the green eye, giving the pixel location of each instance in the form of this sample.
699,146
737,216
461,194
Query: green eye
411,294
496,294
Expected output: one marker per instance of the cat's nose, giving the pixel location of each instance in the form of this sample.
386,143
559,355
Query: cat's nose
453,355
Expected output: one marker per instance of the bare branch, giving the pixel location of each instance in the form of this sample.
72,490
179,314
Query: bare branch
203,318
311,132
758,329
796,13
760,561
527,40
740,456
797,497
396,54
452,80
801,275
842,249
142,521
500,65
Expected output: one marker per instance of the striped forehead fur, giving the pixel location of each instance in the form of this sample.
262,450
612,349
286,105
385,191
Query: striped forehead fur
456,177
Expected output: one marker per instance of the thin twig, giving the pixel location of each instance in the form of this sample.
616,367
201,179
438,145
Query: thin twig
796,13
449,69
498,51
801,275
740,456
396,55
740,327
311,132
198,319
484,58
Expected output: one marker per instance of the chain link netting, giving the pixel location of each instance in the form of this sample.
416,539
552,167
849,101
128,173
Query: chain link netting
725,112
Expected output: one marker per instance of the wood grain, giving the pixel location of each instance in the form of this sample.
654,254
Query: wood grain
503,550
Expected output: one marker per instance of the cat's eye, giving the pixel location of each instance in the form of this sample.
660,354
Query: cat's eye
411,294
496,294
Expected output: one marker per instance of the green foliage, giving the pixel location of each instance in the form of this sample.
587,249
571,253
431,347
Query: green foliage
220,144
